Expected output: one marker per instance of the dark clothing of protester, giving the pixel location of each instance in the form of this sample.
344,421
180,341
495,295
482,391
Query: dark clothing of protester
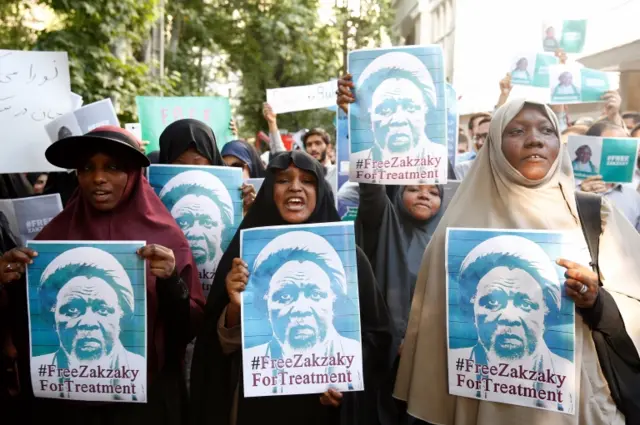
174,305
14,186
65,183
181,135
247,154
216,376
154,157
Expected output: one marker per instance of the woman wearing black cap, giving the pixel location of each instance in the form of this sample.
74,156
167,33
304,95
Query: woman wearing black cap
114,202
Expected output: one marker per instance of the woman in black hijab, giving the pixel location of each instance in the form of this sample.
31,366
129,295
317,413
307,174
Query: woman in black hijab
238,153
216,379
189,142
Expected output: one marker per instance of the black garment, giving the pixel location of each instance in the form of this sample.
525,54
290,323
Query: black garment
64,183
247,154
14,186
215,376
181,135
154,157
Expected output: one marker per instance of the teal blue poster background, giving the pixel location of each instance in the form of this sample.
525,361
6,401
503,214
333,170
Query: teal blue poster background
541,73
574,34
618,162
594,85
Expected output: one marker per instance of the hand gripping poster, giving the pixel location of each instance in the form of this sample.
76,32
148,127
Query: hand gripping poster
206,203
300,310
88,321
398,125
511,328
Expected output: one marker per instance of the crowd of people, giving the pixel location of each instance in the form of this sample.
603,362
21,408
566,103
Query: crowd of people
514,172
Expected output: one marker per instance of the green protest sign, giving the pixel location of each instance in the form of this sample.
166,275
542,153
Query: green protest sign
612,158
156,113
571,39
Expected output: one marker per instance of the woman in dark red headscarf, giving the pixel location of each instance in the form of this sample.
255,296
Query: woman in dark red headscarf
114,201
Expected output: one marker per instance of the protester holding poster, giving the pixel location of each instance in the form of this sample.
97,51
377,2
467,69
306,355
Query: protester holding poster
114,202
301,304
294,192
522,179
397,126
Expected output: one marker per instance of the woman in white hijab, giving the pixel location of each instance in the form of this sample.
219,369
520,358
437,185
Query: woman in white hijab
523,180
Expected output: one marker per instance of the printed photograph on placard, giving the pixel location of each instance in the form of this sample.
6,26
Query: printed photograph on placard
300,310
551,35
523,69
566,83
28,216
88,321
398,125
206,202
511,327
612,158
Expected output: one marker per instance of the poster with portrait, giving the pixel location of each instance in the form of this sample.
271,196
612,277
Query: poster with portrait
398,125
532,69
348,197
157,112
28,216
83,120
510,326
207,205
573,83
612,158
300,310
88,321
568,35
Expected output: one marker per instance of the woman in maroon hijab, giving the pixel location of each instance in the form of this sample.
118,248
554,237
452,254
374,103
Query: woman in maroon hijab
114,201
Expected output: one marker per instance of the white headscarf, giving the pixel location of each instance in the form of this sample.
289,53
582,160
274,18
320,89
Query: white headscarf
495,195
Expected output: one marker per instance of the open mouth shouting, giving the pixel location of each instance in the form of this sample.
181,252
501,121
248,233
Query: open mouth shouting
295,204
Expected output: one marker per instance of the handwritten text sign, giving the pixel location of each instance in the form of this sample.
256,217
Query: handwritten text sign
302,98
34,89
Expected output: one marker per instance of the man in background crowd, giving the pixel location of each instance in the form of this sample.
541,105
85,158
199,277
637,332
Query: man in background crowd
631,119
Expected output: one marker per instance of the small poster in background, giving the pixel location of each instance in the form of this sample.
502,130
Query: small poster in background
302,98
398,125
206,202
453,122
36,89
568,35
28,216
614,159
83,120
575,84
512,343
88,321
256,182
156,113
301,268
532,69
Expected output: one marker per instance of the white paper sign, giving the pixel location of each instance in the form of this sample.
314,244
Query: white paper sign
28,216
76,101
135,129
83,120
302,98
34,90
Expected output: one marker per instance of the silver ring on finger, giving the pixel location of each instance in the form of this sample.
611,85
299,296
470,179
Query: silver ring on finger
583,289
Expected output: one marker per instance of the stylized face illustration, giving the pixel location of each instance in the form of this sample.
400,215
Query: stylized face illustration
87,316
300,304
201,221
584,155
566,79
398,114
509,313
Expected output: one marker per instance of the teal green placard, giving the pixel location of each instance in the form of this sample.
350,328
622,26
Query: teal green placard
573,36
594,85
351,214
618,161
156,113
541,74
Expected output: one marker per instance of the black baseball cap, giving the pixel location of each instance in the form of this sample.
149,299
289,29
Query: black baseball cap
71,151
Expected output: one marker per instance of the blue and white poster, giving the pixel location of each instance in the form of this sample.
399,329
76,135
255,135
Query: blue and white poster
206,202
532,69
453,122
511,328
348,197
398,125
88,321
300,310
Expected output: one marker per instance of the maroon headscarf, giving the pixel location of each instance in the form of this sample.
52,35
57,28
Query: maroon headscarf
140,216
